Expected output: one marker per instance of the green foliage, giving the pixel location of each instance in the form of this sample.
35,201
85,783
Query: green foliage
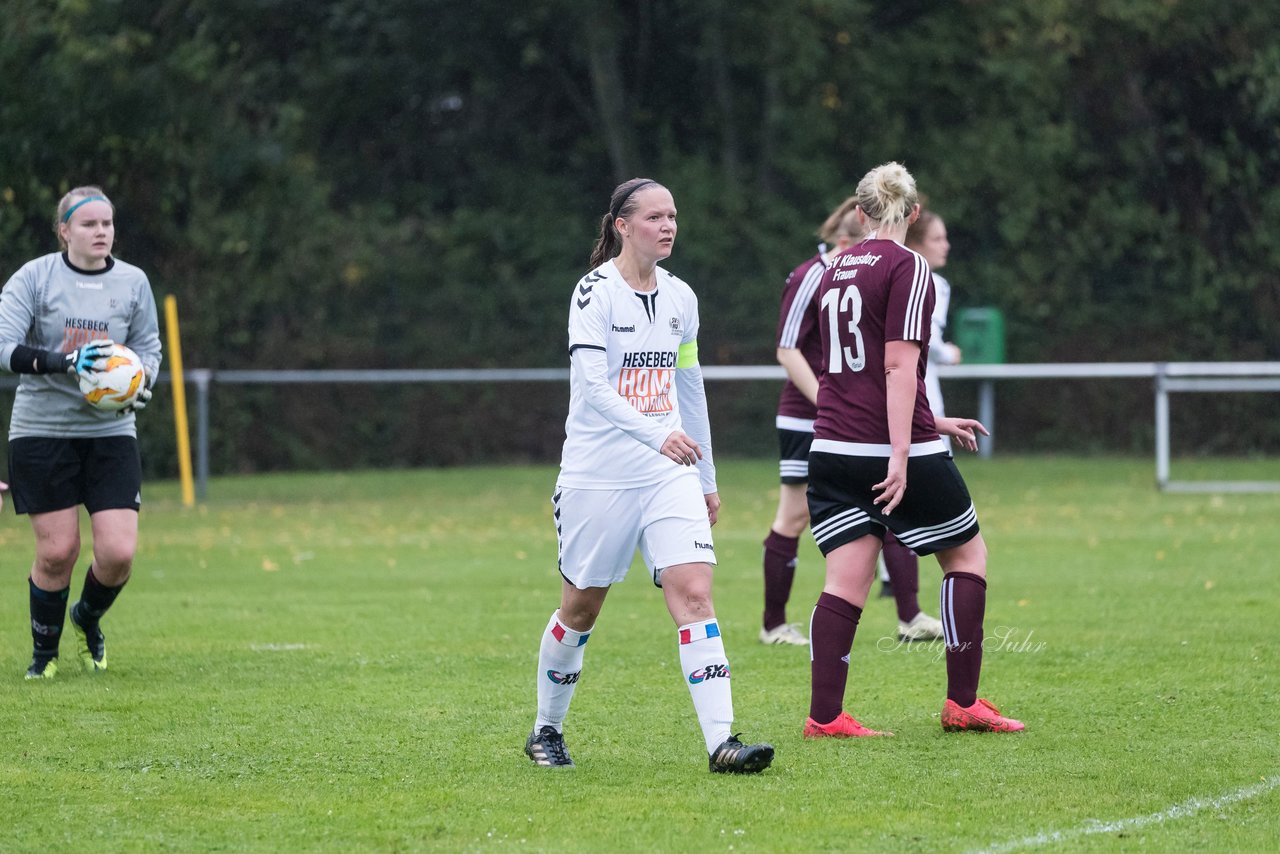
379,183
345,663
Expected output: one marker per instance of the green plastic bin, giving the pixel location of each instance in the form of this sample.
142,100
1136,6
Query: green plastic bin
979,333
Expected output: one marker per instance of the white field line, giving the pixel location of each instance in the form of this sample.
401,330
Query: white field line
1186,808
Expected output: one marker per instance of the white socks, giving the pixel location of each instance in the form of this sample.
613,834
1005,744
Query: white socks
706,669
702,660
559,666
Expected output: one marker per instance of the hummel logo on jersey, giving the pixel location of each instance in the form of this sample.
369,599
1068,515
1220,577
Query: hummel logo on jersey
563,678
631,328
714,671
704,546
90,286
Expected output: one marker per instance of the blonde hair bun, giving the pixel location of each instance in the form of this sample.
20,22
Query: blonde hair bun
887,194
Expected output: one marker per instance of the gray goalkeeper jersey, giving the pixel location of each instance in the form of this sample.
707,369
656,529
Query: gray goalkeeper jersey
51,305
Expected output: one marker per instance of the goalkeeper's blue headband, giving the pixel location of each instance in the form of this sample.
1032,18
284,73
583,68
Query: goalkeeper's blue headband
66,217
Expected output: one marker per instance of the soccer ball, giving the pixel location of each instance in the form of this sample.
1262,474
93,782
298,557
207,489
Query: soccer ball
117,384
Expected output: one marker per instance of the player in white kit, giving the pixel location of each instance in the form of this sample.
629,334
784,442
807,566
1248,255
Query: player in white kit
637,471
928,236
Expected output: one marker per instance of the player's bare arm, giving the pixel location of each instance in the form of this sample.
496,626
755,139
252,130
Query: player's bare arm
799,372
900,360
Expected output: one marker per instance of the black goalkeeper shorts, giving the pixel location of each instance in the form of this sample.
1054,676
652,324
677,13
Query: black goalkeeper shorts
47,474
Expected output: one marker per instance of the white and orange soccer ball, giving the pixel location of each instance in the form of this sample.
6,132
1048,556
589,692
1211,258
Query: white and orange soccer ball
117,384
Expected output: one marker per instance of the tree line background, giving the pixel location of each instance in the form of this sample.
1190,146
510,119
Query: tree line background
417,183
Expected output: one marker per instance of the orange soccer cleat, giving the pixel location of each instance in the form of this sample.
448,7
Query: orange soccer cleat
844,726
980,717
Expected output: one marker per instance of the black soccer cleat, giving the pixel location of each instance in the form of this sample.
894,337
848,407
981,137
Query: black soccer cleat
93,645
546,747
42,668
734,757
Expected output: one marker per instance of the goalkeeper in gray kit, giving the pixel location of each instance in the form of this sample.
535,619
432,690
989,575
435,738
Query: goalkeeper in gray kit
60,314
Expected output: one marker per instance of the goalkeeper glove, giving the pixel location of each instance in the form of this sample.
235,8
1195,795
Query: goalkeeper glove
140,402
85,359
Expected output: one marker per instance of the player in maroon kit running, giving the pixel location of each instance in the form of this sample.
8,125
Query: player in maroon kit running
800,353
875,433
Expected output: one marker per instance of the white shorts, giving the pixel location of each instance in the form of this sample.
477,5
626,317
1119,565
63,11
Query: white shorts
598,530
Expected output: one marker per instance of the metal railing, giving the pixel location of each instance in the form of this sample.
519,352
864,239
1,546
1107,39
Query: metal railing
1167,377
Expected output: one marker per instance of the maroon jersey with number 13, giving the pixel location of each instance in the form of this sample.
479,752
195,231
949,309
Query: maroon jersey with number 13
875,291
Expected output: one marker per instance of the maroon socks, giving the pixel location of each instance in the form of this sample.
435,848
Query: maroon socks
831,632
779,573
903,568
964,603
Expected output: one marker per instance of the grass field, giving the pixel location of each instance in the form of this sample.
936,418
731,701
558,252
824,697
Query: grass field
346,662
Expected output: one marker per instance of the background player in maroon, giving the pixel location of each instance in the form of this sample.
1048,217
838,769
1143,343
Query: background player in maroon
799,351
874,434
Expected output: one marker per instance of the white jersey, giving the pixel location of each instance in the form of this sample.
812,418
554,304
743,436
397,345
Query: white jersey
941,305
622,407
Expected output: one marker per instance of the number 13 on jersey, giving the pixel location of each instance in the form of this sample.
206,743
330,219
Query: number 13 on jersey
848,300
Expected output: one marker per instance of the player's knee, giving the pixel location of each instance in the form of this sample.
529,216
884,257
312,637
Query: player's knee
579,617
699,595
689,587
792,525
970,557
57,554
580,608
113,559
696,609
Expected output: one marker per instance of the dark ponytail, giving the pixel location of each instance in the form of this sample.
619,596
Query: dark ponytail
608,244
621,204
